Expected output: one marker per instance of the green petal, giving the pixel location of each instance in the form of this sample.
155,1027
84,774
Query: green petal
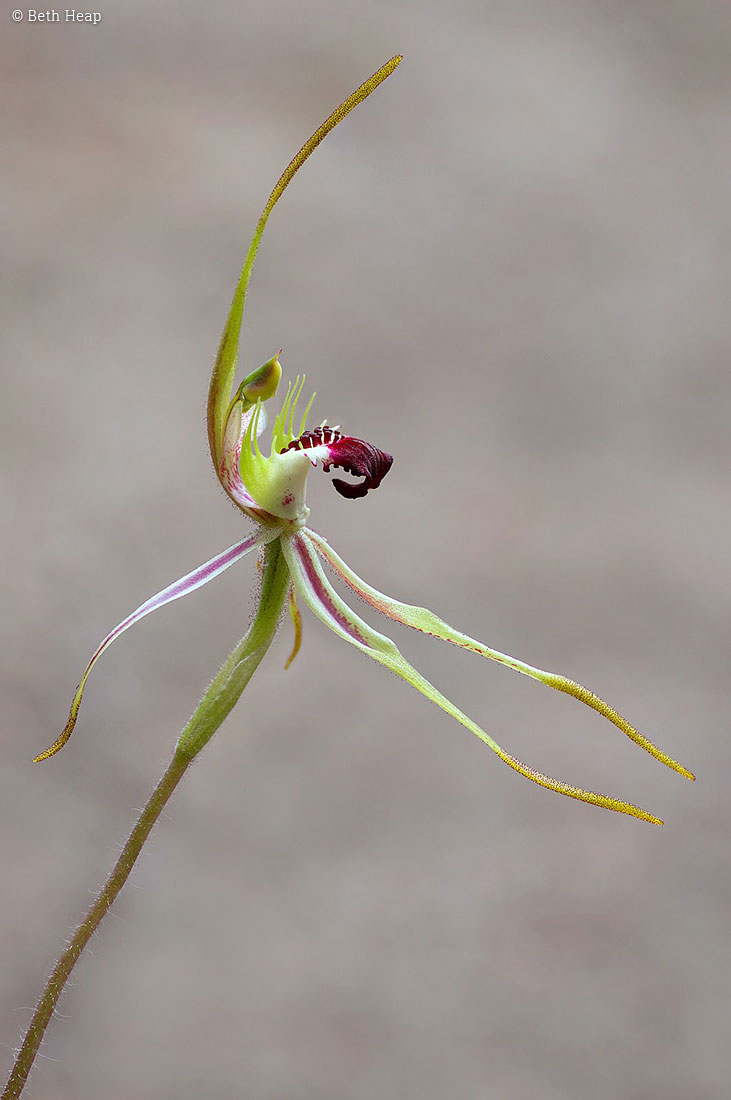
422,619
317,592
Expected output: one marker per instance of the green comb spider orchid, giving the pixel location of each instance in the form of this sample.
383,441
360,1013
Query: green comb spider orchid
269,488
268,484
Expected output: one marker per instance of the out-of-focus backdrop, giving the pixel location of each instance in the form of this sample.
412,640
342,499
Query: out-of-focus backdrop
510,268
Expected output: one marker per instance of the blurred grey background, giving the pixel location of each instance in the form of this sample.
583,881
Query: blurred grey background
510,268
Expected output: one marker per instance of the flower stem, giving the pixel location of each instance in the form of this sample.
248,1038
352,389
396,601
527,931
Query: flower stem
64,966
213,708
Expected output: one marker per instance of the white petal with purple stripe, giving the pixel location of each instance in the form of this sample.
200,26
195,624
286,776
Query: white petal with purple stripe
200,576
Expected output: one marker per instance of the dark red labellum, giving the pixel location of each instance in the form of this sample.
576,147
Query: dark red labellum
355,456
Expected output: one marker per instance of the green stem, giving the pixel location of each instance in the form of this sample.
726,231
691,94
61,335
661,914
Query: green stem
213,708
235,673
64,966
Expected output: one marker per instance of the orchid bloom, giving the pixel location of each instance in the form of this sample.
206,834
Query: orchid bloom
269,488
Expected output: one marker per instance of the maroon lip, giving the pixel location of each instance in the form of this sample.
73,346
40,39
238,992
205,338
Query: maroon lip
355,456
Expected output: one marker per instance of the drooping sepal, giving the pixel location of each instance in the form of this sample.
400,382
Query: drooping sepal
315,589
200,576
421,618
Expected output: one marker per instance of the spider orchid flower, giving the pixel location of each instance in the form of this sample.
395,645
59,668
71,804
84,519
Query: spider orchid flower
270,489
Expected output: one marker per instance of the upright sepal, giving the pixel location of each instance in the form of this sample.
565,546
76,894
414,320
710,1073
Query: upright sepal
224,368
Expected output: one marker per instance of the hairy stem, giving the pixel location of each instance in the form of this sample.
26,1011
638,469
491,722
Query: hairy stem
213,708
64,966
